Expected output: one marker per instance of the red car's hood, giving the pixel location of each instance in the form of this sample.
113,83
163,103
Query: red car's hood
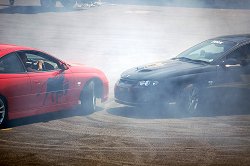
81,68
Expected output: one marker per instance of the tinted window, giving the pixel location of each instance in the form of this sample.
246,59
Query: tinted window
241,54
33,58
11,64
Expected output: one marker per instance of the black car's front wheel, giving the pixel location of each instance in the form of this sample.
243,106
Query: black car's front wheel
3,113
189,99
88,98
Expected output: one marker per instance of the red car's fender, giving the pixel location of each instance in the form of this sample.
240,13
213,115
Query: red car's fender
83,74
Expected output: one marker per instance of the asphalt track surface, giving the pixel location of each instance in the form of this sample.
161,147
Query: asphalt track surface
114,37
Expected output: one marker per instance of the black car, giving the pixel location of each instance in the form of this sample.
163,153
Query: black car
214,70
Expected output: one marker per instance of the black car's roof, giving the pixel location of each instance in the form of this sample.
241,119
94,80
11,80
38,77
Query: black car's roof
235,38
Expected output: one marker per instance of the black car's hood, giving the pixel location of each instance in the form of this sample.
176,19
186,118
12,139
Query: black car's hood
164,69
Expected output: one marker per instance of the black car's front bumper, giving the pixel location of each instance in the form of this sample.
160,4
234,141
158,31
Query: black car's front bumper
134,95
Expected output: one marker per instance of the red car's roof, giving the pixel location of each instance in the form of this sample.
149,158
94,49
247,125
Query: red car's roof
8,48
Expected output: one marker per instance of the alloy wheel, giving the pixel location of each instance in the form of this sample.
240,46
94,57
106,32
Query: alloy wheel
193,100
2,111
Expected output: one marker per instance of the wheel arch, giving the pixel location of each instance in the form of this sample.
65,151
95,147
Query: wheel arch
174,85
98,86
186,80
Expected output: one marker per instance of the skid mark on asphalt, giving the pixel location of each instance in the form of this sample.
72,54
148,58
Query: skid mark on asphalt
138,155
107,148
124,150
104,137
7,129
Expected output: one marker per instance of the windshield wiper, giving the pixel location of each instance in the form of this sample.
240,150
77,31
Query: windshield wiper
191,60
183,59
200,61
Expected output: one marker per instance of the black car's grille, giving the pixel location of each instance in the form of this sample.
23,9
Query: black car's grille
125,95
128,81
134,95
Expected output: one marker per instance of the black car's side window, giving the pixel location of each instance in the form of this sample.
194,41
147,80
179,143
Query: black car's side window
36,61
11,64
246,51
241,55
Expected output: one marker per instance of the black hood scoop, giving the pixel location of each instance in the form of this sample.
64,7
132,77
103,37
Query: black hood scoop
152,67
145,70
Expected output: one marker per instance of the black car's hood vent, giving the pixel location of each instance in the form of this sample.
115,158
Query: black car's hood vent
145,70
155,66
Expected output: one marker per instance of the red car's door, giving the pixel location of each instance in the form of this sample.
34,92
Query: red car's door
50,89
15,86
50,86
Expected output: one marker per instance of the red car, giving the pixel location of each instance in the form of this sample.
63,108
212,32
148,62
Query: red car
33,82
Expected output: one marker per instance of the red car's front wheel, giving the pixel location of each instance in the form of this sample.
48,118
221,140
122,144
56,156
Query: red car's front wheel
88,98
3,112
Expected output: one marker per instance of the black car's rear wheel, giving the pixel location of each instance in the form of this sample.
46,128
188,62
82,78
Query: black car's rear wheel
189,99
3,113
88,98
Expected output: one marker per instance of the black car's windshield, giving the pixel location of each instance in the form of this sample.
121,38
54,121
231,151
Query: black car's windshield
206,51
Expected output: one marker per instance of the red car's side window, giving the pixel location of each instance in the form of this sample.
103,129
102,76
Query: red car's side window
36,61
11,64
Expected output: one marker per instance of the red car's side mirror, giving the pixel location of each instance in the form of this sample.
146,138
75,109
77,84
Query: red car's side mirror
64,66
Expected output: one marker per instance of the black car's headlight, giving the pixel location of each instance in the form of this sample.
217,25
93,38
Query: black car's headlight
147,83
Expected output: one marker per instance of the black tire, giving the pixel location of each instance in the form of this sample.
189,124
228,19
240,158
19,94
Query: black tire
12,2
189,100
88,98
3,113
69,4
48,3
